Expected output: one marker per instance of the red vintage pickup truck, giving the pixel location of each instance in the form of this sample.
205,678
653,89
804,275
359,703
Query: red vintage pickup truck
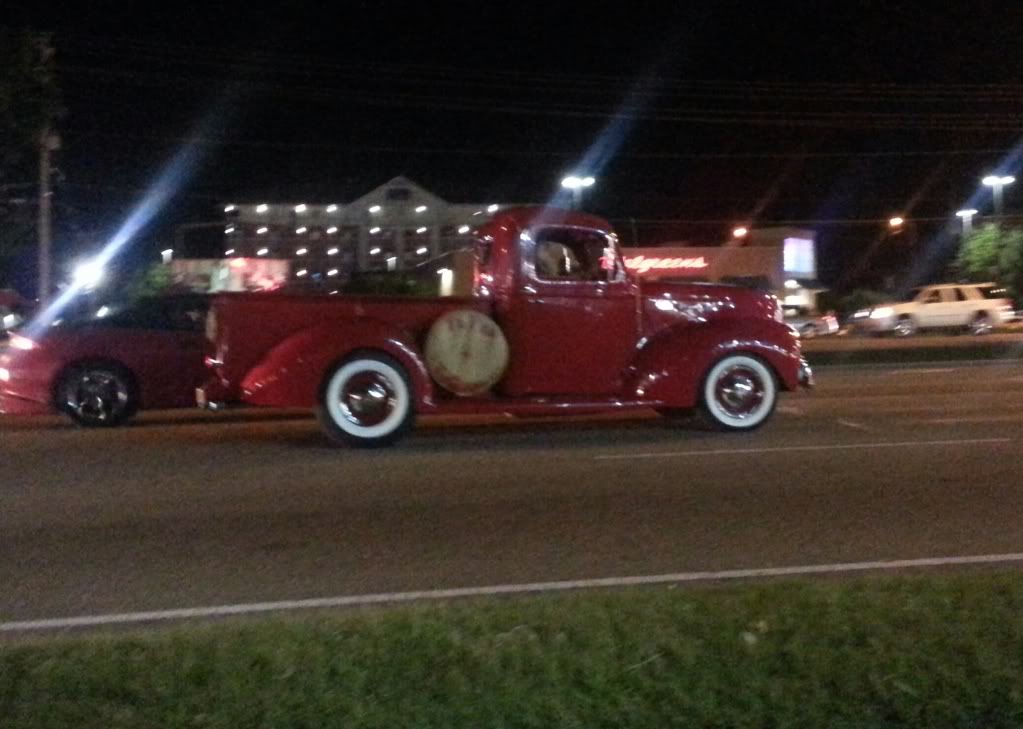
553,325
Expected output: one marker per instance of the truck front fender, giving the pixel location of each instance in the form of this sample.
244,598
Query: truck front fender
669,368
290,374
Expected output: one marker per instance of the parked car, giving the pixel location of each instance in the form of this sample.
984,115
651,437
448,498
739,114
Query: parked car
977,308
100,368
810,324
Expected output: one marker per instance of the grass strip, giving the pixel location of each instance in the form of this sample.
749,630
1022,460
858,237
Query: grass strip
937,651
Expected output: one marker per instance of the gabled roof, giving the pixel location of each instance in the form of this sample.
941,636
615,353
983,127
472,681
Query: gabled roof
416,193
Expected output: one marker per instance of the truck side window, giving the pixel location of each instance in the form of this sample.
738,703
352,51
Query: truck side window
568,254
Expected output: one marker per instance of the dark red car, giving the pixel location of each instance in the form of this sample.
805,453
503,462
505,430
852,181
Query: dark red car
102,366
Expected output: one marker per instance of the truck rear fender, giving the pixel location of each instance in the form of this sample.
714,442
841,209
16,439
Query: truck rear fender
669,367
290,375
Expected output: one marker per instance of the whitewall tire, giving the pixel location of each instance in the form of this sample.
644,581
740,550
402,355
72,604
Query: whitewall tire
366,401
739,393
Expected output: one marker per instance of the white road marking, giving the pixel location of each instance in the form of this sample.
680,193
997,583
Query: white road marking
213,611
977,419
852,424
789,449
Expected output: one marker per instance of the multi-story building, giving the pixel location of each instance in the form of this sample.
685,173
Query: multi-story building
395,227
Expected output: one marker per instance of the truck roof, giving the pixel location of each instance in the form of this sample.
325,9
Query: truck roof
530,215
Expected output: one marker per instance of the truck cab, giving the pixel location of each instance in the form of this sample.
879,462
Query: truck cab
551,324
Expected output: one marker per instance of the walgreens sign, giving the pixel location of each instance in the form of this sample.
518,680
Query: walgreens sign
643,264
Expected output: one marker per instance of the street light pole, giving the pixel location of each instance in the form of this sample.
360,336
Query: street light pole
997,183
967,218
576,184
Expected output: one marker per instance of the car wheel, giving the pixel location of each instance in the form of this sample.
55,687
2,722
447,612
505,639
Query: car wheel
739,393
981,325
366,401
808,331
904,326
97,396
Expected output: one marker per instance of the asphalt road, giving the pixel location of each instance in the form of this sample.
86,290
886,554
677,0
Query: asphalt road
191,509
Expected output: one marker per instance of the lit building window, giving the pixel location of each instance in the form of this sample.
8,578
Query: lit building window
262,251
301,251
332,252
421,230
375,209
332,230
464,229
374,252
332,208
374,231
261,231
421,209
300,231
301,208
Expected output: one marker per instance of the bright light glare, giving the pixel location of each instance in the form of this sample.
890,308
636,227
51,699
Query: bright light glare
301,208
19,342
332,208
998,180
966,213
301,251
574,183
421,230
102,312
492,208
464,229
740,232
792,284
896,221
332,272
374,231
229,229
229,209
331,230
229,252
261,231
262,251
375,209
301,272
88,275
332,252
882,313
300,231
421,209
374,252
5,375
262,208
443,271
422,251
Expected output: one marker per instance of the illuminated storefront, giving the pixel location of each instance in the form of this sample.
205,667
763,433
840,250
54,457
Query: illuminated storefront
781,260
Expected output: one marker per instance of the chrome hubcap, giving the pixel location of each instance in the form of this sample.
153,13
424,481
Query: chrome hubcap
367,399
982,325
739,391
904,327
97,396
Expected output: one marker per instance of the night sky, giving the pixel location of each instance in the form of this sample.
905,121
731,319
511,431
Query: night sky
726,112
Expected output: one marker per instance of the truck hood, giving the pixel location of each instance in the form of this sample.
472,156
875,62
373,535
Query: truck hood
705,298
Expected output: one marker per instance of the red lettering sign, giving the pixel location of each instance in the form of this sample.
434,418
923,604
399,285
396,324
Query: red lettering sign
642,264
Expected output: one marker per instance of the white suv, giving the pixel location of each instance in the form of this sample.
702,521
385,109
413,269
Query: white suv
979,308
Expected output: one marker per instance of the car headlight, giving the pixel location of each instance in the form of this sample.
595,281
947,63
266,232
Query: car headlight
882,312
861,314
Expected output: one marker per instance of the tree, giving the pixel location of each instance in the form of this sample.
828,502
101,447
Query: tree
993,253
29,103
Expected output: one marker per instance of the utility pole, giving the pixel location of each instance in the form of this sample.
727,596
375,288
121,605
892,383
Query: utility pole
48,143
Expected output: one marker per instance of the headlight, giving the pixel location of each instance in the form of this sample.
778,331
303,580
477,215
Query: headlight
861,314
22,343
882,313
